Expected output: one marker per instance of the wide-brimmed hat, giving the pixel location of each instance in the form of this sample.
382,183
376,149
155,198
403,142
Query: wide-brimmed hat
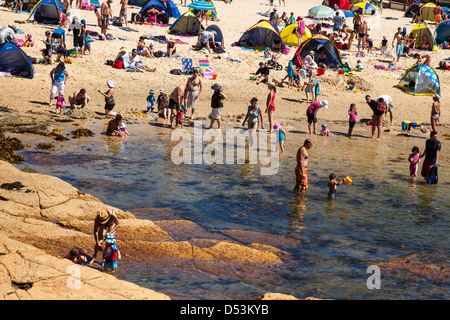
103,216
152,91
270,84
277,126
324,104
110,83
110,238
162,91
216,86
436,96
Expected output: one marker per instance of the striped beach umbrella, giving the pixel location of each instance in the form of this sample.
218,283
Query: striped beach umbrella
321,12
202,5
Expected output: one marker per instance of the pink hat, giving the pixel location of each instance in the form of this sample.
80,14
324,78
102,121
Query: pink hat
277,126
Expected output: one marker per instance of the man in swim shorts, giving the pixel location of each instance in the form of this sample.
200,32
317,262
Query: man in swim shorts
362,33
106,14
400,42
301,175
438,11
123,11
194,87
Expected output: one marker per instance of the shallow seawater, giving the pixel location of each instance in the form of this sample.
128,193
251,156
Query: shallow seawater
384,214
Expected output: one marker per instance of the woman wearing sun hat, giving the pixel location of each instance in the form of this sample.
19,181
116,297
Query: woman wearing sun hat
216,104
109,98
105,222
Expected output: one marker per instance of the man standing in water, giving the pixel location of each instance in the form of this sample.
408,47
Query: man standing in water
301,175
431,153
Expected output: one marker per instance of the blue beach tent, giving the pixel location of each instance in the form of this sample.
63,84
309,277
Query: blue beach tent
442,32
412,10
420,80
12,56
46,11
168,6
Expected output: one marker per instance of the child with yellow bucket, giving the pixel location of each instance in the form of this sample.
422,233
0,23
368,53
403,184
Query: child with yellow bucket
333,184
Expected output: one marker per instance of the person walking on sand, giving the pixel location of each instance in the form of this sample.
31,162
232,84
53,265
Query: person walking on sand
59,76
270,104
216,104
105,222
106,13
301,174
398,36
123,11
194,87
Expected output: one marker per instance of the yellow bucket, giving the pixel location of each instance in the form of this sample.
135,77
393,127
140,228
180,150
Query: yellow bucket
356,90
347,180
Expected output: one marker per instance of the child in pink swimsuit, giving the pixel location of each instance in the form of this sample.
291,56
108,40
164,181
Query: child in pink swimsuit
414,159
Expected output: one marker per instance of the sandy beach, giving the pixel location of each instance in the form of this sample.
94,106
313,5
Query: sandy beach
91,73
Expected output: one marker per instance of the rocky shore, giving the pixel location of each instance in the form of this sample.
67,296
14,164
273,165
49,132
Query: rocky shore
43,217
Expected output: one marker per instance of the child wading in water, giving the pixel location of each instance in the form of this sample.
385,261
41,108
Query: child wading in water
352,113
110,254
281,135
332,186
414,159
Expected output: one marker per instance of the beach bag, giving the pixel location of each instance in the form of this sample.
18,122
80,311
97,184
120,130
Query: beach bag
118,64
339,45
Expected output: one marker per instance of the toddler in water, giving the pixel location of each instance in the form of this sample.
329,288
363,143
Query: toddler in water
325,131
332,186
414,159
281,135
352,113
123,130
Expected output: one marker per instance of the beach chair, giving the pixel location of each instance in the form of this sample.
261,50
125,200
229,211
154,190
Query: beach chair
187,65
206,70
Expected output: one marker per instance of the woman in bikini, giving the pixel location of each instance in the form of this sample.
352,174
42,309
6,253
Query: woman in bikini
253,116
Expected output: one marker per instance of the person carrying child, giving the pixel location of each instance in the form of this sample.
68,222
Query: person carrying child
414,159
110,254
332,186
352,113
